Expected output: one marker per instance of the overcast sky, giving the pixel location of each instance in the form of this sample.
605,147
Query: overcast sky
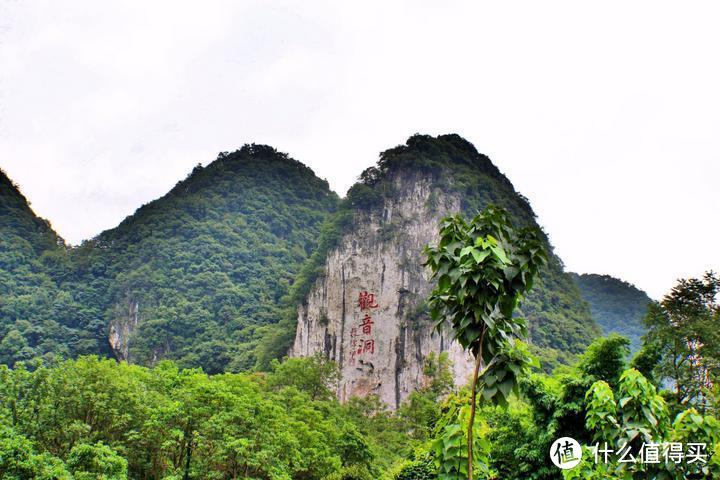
606,115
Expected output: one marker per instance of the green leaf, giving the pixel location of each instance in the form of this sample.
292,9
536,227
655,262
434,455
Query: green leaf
500,253
479,256
489,393
506,387
466,250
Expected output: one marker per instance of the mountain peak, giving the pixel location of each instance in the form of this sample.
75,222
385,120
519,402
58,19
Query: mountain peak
17,218
10,192
253,168
452,163
253,161
374,250
429,154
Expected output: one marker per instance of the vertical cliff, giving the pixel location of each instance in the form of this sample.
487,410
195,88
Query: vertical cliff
366,307
123,324
365,312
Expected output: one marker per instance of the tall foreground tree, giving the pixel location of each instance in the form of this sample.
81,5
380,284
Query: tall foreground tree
482,270
684,332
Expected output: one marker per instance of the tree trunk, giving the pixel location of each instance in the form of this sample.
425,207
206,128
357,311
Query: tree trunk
188,454
473,400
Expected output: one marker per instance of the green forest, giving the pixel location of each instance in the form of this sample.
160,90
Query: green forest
157,349
208,265
210,274
94,418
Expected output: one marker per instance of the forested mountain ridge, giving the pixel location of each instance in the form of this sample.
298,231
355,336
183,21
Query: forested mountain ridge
375,249
616,305
37,316
17,219
207,274
195,275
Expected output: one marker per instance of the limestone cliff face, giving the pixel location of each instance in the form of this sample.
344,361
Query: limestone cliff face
122,326
365,310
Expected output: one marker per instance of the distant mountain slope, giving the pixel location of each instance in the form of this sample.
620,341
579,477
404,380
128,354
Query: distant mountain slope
616,305
37,316
195,275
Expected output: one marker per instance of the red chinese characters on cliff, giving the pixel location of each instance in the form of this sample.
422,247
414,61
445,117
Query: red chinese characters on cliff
361,338
367,324
366,301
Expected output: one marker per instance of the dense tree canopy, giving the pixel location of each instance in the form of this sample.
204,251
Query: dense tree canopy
684,337
96,417
92,418
38,316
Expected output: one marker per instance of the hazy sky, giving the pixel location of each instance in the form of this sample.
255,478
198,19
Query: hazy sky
606,115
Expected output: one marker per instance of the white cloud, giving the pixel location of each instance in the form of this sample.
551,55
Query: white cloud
604,115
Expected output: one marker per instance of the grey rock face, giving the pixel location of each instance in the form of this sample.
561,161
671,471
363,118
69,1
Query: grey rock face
366,311
121,327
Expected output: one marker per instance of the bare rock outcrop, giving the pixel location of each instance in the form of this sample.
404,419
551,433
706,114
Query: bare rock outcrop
366,311
121,328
